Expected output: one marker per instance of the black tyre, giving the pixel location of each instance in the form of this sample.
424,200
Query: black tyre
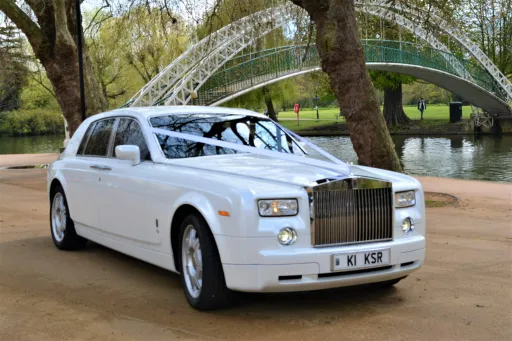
202,276
61,226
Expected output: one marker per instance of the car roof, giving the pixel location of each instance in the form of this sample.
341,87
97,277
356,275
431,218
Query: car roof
145,112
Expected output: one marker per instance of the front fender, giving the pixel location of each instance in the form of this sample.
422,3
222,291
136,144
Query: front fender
208,210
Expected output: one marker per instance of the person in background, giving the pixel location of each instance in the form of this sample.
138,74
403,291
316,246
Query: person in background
422,106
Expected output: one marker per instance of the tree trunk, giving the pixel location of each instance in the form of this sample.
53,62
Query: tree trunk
269,104
62,71
341,55
393,110
53,40
61,64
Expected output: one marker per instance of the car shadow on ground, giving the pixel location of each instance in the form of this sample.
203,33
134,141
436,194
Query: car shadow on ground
105,265
338,298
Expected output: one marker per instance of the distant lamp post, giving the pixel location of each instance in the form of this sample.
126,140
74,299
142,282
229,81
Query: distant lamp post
80,57
194,96
316,104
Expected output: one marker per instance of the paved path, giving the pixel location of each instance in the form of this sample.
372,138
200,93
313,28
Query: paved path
10,160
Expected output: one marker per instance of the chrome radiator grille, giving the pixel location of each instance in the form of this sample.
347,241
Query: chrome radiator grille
347,214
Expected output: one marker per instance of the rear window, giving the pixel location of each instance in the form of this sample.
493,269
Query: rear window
85,138
239,129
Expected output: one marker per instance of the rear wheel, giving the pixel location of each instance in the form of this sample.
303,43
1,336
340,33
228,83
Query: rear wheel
62,227
202,276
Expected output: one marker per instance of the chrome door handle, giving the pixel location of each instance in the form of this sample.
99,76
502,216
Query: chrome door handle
100,167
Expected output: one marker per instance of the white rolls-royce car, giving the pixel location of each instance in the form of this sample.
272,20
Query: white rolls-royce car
233,202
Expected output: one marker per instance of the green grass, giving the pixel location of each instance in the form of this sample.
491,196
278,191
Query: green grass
434,115
435,203
324,113
305,125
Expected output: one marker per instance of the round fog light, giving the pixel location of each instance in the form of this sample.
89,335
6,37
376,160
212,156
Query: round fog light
287,236
407,225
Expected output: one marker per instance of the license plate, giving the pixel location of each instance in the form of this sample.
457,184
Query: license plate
360,260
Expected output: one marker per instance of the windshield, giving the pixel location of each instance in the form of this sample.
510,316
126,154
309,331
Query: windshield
240,129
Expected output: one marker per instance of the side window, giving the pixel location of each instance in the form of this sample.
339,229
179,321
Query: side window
100,136
129,132
85,138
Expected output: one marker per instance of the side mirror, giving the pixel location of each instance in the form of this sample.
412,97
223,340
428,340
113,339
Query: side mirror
128,152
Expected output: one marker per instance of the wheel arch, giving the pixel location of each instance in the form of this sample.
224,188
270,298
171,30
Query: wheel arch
199,205
180,214
58,180
53,186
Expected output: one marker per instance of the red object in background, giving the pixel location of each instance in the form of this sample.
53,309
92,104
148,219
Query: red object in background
296,108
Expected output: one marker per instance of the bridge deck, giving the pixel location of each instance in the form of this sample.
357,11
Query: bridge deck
463,77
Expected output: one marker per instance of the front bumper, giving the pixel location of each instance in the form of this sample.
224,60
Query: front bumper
251,266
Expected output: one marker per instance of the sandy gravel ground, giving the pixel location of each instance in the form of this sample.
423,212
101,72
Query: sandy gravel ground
462,293
14,160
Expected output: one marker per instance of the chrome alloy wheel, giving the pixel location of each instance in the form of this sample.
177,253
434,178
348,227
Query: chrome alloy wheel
59,217
192,261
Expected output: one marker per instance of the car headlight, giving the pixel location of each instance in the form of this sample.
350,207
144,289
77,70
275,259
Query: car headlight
407,225
278,207
287,236
405,199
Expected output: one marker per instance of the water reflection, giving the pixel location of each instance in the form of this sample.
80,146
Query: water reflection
463,157
31,144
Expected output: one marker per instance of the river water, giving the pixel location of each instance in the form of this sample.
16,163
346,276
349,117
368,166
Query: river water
461,157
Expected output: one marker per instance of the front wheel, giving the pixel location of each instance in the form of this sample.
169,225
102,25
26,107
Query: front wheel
62,227
202,276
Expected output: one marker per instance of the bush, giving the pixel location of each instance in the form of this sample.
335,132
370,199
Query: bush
35,96
31,122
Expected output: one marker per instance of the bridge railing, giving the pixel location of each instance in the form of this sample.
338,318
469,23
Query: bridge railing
248,70
246,56
434,59
255,71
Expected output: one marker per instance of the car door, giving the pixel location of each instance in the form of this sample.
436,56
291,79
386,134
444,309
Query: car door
84,174
131,209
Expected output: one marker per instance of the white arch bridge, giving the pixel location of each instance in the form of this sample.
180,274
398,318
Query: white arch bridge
218,70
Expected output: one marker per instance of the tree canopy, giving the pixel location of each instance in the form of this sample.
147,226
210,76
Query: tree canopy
13,68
